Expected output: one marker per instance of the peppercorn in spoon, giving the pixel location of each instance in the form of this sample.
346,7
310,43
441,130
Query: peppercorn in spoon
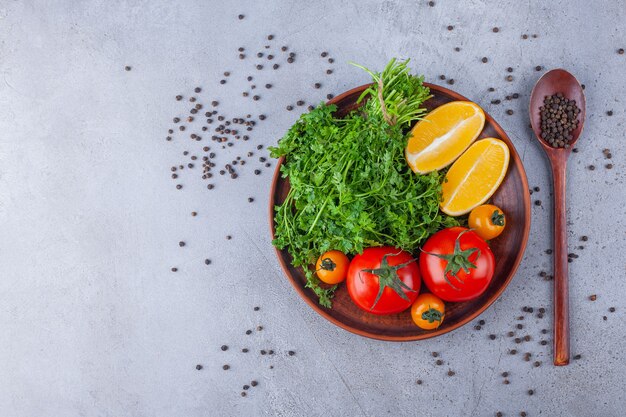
557,114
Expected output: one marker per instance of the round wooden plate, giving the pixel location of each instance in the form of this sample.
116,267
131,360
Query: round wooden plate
508,248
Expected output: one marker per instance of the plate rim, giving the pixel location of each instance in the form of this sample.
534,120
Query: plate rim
515,158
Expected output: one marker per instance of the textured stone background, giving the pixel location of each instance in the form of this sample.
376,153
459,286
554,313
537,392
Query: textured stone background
93,322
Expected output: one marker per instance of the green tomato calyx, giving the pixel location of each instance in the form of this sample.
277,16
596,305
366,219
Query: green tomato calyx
327,264
432,315
457,260
388,277
497,218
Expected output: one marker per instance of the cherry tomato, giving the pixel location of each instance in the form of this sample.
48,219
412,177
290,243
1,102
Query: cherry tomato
456,264
332,267
488,221
383,280
428,311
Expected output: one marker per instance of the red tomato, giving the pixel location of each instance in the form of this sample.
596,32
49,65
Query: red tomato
383,280
456,264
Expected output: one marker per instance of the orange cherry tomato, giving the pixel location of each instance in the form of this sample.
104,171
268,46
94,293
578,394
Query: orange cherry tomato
428,311
332,267
488,221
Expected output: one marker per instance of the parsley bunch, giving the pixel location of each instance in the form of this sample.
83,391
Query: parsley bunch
351,187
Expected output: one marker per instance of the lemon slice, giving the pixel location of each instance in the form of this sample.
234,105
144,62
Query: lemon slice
475,176
442,136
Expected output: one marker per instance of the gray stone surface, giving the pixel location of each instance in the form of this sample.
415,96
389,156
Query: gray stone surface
93,322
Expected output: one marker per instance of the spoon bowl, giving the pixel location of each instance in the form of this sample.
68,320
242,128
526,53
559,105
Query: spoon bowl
553,82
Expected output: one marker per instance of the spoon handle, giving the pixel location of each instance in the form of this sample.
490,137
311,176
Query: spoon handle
561,292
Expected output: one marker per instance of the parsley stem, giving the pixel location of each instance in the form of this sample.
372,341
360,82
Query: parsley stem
318,215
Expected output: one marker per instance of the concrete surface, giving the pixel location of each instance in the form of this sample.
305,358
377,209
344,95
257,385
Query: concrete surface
93,322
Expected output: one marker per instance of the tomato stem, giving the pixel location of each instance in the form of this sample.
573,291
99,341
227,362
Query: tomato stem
432,315
497,218
388,277
457,260
327,264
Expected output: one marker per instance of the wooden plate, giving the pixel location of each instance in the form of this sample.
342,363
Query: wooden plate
508,248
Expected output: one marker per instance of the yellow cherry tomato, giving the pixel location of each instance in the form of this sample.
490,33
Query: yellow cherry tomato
332,267
488,221
428,311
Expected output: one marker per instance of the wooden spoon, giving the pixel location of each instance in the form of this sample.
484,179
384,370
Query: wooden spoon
552,82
